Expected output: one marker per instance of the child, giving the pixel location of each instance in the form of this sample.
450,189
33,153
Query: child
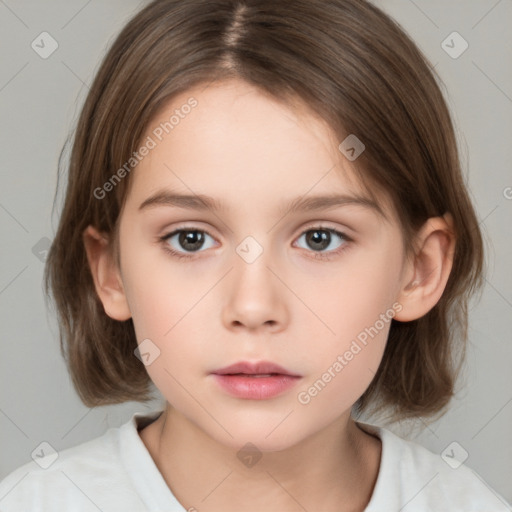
265,219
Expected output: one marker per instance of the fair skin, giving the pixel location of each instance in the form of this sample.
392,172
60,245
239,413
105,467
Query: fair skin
288,306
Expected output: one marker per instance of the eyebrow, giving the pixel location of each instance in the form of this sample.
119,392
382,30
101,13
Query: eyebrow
202,202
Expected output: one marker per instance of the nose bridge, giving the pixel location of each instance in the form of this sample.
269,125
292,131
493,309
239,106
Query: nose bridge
250,249
251,264
254,295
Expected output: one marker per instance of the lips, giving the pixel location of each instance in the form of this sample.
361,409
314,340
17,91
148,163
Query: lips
255,381
259,369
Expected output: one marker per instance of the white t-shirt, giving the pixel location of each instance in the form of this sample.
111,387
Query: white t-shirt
115,472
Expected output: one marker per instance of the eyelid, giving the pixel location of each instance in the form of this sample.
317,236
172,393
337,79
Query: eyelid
323,224
309,225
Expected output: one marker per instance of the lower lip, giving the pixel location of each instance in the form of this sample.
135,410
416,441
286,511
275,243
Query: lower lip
255,388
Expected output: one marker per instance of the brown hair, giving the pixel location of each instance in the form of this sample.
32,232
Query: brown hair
357,70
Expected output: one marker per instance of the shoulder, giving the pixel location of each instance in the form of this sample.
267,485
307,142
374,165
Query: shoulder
412,478
76,477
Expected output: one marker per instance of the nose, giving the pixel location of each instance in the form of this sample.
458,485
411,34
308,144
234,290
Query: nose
255,297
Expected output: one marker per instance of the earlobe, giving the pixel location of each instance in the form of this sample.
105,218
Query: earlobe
106,276
428,273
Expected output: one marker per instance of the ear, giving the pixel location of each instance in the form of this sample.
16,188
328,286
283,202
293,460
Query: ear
428,272
106,275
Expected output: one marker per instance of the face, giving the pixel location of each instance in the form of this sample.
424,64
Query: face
250,280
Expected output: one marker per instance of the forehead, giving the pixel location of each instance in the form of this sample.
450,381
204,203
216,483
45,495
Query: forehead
238,142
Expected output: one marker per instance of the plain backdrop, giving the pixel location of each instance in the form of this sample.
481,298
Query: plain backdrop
40,99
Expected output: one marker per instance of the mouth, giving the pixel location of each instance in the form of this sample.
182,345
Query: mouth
260,369
255,381
256,376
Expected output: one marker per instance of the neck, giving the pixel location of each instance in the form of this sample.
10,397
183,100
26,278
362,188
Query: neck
333,470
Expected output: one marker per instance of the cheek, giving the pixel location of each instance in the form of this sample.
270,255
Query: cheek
169,309
159,293
352,296
357,304
343,374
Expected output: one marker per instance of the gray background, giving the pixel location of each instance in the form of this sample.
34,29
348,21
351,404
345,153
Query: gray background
40,99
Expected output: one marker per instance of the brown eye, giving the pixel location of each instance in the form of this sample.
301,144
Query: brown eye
320,239
186,240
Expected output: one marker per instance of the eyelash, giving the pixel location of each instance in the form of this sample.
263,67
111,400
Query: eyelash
316,255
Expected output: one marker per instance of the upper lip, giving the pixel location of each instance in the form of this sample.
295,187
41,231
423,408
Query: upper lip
258,368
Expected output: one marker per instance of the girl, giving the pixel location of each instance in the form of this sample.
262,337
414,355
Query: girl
265,220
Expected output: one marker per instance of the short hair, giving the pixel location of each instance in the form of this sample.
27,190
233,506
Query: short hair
357,70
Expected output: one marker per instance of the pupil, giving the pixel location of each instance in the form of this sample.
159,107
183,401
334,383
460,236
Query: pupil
191,238
320,237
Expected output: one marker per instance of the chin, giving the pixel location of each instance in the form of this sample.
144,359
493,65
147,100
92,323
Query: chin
260,433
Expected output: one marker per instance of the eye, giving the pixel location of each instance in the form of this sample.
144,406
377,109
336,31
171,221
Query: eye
186,240
183,243
320,238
